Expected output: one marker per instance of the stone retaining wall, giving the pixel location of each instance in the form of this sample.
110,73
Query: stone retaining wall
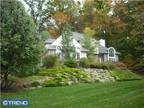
99,75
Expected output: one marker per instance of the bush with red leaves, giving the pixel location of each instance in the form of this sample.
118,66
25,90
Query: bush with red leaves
121,65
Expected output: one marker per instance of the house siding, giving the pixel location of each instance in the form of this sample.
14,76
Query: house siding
83,55
101,51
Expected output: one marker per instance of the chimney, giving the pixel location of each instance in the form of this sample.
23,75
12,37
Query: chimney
102,42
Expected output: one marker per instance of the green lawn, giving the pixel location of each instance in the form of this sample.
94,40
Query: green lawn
121,75
127,94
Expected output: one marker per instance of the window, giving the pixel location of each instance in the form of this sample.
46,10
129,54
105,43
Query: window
111,52
78,56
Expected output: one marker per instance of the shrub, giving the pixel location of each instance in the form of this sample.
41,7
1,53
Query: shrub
64,76
121,66
139,68
55,82
110,66
104,65
92,63
84,62
11,85
98,65
33,81
50,61
129,60
50,83
70,63
27,71
35,84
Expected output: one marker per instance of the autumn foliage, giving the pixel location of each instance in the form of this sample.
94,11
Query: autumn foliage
61,18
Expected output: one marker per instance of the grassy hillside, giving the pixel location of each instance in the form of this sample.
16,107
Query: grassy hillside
121,75
128,94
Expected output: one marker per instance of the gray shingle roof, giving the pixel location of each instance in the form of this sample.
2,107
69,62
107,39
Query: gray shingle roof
49,41
84,50
51,47
77,36
103,49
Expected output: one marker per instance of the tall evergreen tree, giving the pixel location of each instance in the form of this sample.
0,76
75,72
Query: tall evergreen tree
19,48
67,45
87,41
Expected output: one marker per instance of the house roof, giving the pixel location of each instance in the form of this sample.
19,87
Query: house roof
49,41
51,47
84,50
77,36
102,49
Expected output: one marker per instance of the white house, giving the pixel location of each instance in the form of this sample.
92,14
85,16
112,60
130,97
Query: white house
54,47
101,52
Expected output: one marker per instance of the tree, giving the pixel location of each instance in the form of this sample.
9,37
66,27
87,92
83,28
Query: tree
39,14
54,32
94,14
44,35
63,12
132,36
67,46
50,13
19,48
87,42
61,19
37,10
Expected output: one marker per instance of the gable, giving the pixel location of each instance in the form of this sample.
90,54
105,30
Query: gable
58,41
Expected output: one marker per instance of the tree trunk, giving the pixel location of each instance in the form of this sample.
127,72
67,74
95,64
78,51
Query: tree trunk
6,79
